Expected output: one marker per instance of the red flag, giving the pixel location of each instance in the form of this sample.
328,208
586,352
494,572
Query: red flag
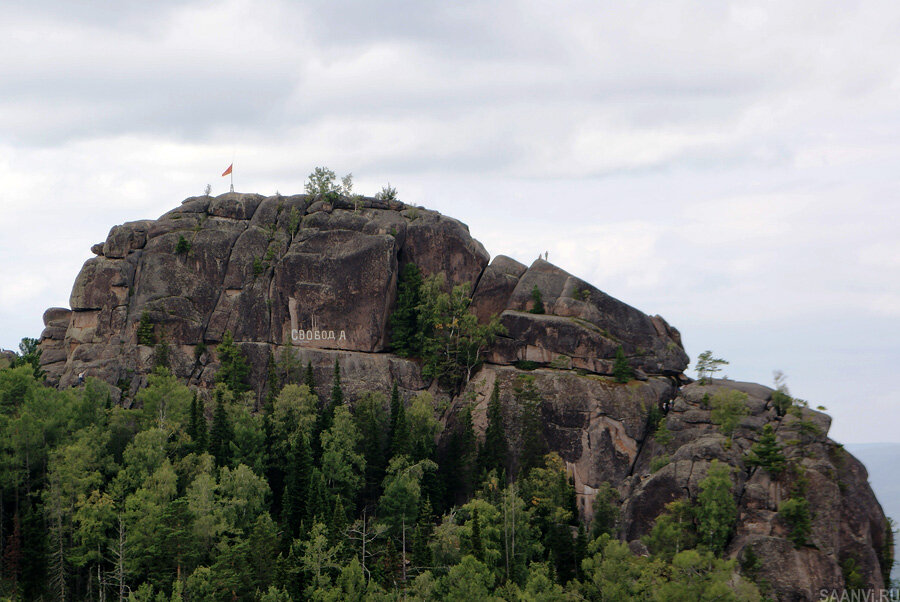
227,171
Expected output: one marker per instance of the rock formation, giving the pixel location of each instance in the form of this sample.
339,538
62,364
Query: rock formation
318,281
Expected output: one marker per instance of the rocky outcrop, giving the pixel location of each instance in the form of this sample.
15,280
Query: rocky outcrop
847,521
298,272
299,281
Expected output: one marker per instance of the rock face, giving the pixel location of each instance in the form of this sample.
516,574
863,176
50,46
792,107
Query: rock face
305,281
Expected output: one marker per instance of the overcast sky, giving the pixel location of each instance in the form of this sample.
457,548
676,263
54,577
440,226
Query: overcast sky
732,166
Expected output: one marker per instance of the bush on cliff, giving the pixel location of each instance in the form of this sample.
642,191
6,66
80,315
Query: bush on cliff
233,369
405,338
453,341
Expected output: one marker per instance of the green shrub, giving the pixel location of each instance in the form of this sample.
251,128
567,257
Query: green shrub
145,330
161,355
622,371
258,266
782,402
716,509
658,462
294,221
405,324
387,193
526,365
853,578
663,435
729,406
795,510
767,453
537,306
233,368
183,247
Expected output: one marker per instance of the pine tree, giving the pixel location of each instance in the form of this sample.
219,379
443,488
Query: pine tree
145,330
421,553
405,326
767,452
537,301
193,419
716,508
271,382
458,459
202,427
233,368
494,453
318,506
581,549
309,379
296,484
622,371
476,544
399,430
220,435
534,446
337,393
338,524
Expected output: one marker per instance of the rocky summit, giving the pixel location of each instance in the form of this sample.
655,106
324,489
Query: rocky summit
317,281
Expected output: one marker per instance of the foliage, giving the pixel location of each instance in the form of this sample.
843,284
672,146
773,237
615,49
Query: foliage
662,434
405,339
233,371
782,402
453,341
494,454
537,301
729,406
183,246
176,501
322,181
387,193
622,370
716,508
659,462
29,355
707,366
767,453
795,512
145,331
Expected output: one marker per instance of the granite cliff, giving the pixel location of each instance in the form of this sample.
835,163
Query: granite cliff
267,269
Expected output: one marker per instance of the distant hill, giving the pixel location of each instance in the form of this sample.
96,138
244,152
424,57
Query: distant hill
881,460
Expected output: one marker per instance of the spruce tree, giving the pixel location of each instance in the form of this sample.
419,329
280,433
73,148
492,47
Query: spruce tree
476,544
458,459
767,452
318,506
405,327
202,427
399,429
296,484
622,371
537,306
326,416
337,393
716,509
309,379
193,419
220,435
494,453
534,446
233,369
271,382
